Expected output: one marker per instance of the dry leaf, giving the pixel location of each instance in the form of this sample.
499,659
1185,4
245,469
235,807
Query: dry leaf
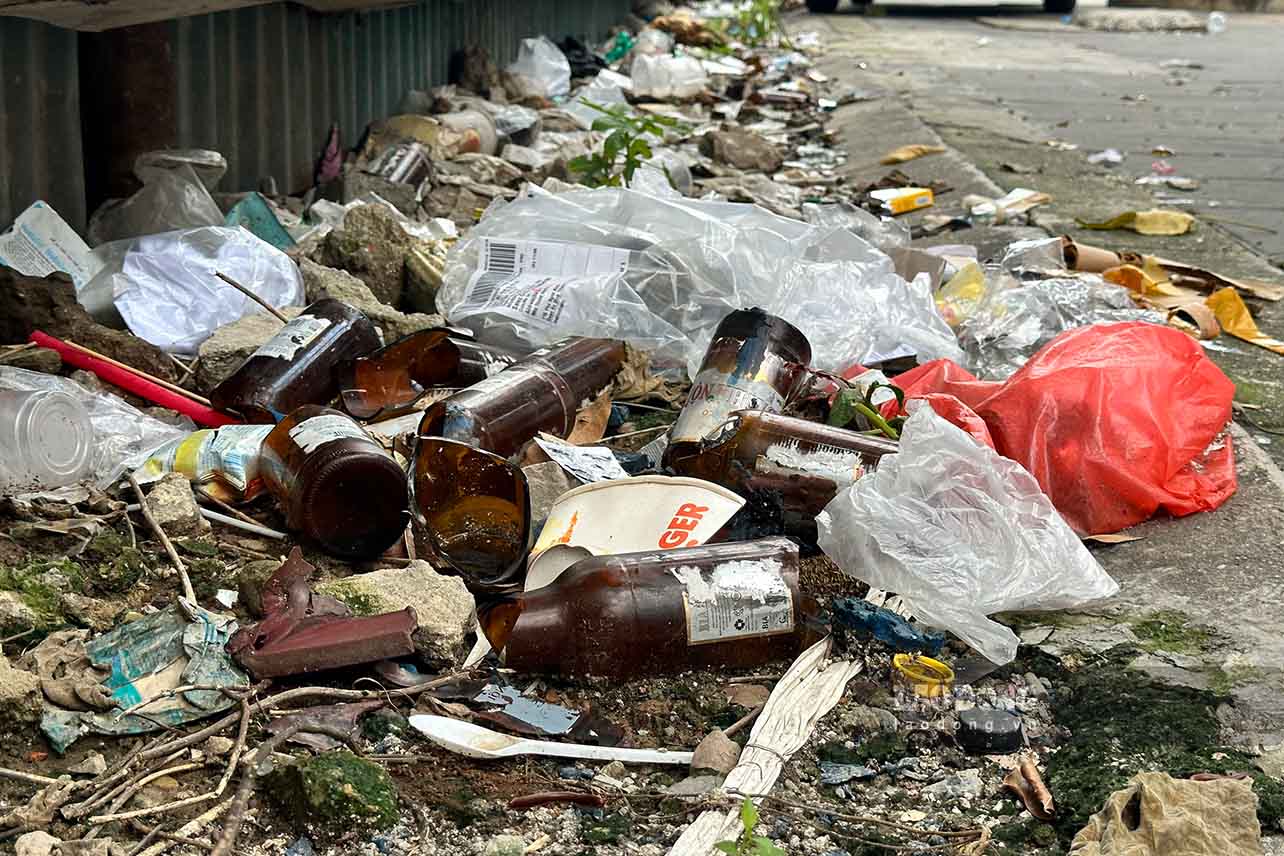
590,421
1153,222
909,153
1235,319
1026,783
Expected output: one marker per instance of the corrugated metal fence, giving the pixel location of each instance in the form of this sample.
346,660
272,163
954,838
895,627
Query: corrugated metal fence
261,84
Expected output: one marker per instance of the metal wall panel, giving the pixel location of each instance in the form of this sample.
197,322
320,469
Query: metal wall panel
40,153
263,84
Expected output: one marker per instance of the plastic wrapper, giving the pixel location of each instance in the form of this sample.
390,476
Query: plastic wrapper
652,42
175,195
661,272
1115,421
960,533
605,90
123,435
224,461
1009,324
165,288
883,232
542,69
665,76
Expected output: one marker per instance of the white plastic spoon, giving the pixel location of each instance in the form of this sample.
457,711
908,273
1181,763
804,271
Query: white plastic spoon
477,742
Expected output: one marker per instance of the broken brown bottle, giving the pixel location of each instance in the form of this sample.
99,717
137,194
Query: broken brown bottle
297,365
541,393
641,614
756,361
335,483
806,462
472,512
393,378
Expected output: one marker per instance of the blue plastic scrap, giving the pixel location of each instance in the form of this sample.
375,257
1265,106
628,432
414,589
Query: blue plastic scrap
869,621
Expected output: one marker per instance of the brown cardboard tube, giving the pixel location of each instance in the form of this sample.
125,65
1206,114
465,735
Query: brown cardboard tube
1085,258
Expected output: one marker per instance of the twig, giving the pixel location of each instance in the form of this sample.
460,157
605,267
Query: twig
16,350
147,839
15,637
172,387
294,695
139,826
259,300
30,778
99,819
860,818
133,538
740,723
188,592
188,828
202,493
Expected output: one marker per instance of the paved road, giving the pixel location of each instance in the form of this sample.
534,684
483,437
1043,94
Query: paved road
1225,121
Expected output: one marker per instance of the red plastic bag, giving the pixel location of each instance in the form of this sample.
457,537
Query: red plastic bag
1115,421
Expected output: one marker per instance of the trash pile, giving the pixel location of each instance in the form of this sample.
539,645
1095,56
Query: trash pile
580,411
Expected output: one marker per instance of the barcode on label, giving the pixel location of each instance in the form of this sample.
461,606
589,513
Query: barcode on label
483,289
501,257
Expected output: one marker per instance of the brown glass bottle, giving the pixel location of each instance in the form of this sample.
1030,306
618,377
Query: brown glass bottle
297,365
807,462
541,393
336,485
755,361
640,614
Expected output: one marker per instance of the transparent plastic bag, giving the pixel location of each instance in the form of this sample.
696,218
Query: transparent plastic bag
165,288
542,68
679,266
605,90
883,232
1009,324
960,533
175,195
123,435
665,76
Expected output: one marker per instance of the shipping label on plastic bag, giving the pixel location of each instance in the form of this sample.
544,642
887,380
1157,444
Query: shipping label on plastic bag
528,280
735,600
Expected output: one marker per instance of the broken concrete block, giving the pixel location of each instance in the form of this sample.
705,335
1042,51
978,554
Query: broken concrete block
174,507
38,843
442,604
334,794
15,615
96,614
320,281
20,697
371,245
355,184
487,169
232,344
743,150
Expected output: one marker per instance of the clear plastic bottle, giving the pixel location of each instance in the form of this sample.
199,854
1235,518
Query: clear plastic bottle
640,614
46,440
335,483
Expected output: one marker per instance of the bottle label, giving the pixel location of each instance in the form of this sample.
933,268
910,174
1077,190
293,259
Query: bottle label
736,600
535,281
317,431
294,336
716,394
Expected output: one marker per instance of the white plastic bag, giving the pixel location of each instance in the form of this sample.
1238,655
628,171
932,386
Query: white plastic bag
165,288
665,76
960,533
123,435
542,68
677,267
605,90
175,195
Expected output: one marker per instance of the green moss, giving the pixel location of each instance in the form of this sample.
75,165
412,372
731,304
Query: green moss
1124,722
359,601
383,724
34,584
197,547
608,830
208,576
1171,630
1028,833
1222,681
111,566
878,747
335,793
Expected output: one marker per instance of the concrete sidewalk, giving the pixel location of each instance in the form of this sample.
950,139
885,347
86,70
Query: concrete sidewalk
1216,575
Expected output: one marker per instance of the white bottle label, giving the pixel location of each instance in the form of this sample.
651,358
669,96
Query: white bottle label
319,430
736,600
295,335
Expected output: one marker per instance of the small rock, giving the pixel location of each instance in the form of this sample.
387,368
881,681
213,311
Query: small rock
1036,685
371,245
913,816
87,847
164,783
43,360
250,581
535,164
320,281
1272,763
301,846
742,149
615,770
716,752
505,845
694,786
174,507
964,784
356,184
869,720
232,344
487,169
20,696
93,764
96,614
36,843
219,745
545,483
749,696
575,773
443,605
16,616
335,793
